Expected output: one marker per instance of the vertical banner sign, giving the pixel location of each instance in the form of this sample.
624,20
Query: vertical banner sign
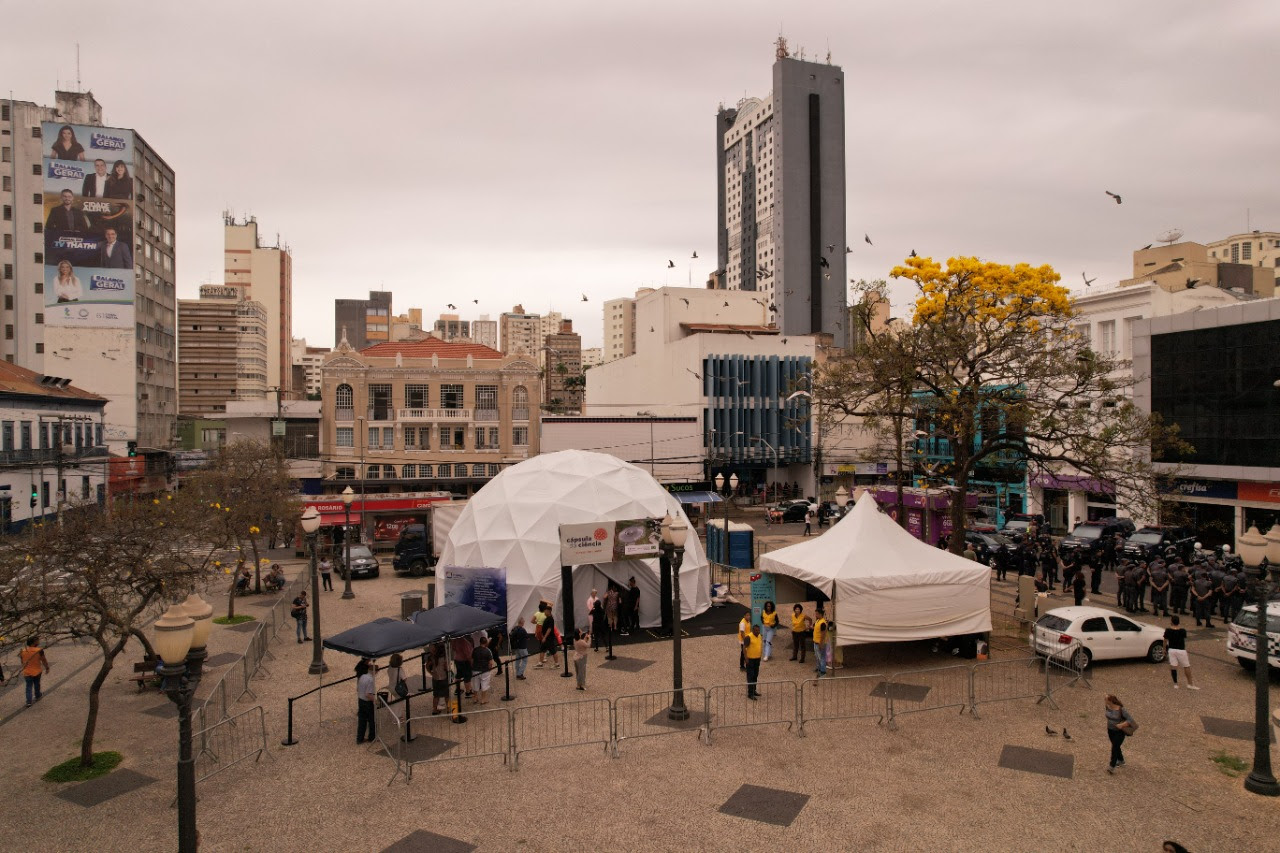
483,588
762,590
89,279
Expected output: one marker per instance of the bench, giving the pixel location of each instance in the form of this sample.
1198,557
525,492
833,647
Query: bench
144,671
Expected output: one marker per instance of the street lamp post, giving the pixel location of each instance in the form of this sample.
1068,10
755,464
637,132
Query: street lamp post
347,497
720,487
1261,553
179,637
673,539
311,527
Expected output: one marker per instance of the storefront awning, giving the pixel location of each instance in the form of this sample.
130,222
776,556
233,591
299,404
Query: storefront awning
698,497
337,519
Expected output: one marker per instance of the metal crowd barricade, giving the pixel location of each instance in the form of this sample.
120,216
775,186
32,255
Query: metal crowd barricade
228,742
645,715
389,730
535,727
1004,680
729,707
947,687
846,698
483,733
1061,670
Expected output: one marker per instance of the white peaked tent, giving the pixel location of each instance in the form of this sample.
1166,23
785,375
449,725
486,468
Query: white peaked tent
514,523
884,584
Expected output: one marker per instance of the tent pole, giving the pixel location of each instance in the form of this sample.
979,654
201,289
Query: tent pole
566,599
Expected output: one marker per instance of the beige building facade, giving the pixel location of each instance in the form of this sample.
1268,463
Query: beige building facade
426,415
1179,266
222,351
266,275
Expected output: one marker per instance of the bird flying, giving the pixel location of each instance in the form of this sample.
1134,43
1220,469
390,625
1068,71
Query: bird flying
1088,281
584,298
913,254
695,253
1113,195
824,263
685,301
867,237
671,264
453,307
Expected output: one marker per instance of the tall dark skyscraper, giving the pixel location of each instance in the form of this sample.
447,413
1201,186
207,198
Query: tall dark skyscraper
781,192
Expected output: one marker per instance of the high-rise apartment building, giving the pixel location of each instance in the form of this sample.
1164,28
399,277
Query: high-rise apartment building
485,331
310,359
521,332
363,322
222,351
781,197
266,274
87,261
620,327
564,382
450,327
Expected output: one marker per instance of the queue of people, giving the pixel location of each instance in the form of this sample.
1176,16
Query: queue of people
808,633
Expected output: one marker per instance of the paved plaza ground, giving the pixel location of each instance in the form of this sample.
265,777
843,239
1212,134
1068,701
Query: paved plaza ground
935,782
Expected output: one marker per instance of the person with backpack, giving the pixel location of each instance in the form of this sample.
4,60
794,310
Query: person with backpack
299,614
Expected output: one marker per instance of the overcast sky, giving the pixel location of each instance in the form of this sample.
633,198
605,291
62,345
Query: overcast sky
531,153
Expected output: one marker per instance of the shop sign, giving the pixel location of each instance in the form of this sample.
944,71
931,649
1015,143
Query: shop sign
1260,492
1219,489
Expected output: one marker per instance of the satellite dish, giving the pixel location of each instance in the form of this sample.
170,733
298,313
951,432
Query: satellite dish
1173,235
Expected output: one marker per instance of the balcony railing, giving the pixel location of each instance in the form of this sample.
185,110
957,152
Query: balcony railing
519,414
47,454
487,414
434,414
344,416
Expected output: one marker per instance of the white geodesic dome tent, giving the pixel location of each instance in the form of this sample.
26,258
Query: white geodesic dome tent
514,523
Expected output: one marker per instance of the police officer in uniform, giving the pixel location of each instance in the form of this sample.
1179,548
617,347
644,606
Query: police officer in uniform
1202,598
1159,588
1179,583
1216,575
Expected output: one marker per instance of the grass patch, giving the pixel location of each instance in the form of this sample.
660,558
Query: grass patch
234,620
71,771
1231,765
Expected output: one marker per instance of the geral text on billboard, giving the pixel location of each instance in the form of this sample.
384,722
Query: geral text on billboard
89,279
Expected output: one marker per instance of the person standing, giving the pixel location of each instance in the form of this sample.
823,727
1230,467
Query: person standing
438,666
1228,588
1077,587
744,628
1216,576
799,636
969,553
752,649
326,573
819,643
769,619
1070,565
597,624
364,700
520,647
1179,583
462,648
580,646
808,522
633,604
482,669
1175,644
34,665
299,614
1159,576
550,642
1237,597
1120,724
1000,562
1095,575
1202,598
612,601
591,605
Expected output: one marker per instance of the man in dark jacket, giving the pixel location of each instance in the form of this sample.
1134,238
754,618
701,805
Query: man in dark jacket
633,604
1160,588
1179,583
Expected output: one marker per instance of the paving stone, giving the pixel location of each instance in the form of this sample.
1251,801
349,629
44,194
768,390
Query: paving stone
626,664
696,719
1236,729
1040,761
901,692
767,805
425,748
95,791
221,659
421,841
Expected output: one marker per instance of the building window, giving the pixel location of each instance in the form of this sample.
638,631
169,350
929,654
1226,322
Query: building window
452,438
8,333
424,471
39,287
1107,337
480,439
417,396
410,437
346,437
84,488
477,470
6,436
39,318
520,436
1235,253
520,403
493,469
424,438
372,442
343,397
1246,251
451,396
388,438
446,470
345,473
409,472
487,397
380,403
493,438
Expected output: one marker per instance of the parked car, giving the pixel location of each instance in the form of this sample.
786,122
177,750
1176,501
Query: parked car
792,511
1150,542
1126,523
1101,635
986,542
1242,635
363,562
1016,524
1087,535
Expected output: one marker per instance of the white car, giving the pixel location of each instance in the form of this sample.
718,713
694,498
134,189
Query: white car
1242,635
1095,634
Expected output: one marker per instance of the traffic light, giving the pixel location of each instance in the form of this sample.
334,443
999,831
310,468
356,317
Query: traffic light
133,449
35,497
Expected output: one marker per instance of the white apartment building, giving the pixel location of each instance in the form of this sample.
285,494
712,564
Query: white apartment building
115,335
620,326
1259,248
311,359
266,275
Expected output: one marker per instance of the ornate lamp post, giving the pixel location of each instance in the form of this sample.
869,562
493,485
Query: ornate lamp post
347,497
673,539
720,487
311,526
842,499
179,638
1256,552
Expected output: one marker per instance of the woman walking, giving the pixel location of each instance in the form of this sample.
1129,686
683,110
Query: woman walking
769,619
799,632
1120,724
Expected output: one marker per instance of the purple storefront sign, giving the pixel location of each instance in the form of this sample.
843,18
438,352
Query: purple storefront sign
1073,483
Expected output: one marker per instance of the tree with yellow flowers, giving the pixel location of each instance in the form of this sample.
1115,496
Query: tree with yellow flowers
991,372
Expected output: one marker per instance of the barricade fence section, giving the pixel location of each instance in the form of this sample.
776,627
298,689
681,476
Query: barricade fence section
927,690
230,741
1004,680
561,724
441,739
647,715
1065,669
845,698
728,705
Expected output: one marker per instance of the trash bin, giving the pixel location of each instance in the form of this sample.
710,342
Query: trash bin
410,603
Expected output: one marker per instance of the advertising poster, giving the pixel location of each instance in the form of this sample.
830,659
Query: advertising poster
89,278
762,590
483,588
609,541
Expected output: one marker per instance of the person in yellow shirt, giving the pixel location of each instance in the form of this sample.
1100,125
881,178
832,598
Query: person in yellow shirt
819,642
799,635
769,619
752,649
744,628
